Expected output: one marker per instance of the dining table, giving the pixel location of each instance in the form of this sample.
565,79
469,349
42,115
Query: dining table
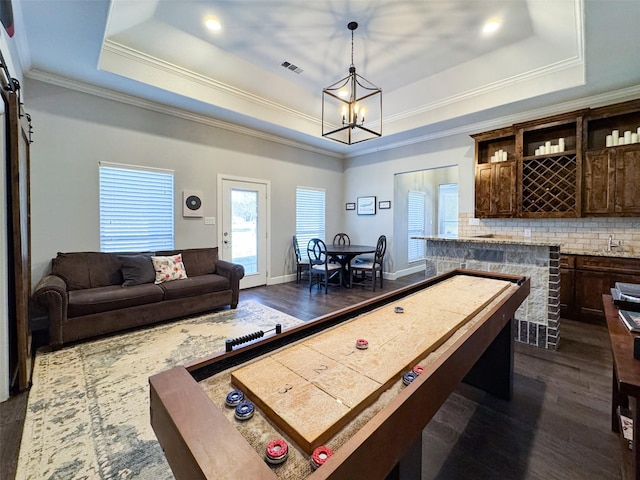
344,254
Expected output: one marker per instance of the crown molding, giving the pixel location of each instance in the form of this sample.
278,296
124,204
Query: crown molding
536,74
134,55
577,60
173,111
598,100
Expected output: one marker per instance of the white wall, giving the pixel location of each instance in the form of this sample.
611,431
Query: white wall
426,181
74,131
373,174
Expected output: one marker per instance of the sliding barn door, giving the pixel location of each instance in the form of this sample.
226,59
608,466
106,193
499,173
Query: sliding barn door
19,239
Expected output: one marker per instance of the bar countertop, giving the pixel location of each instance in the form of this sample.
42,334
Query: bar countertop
521,240
491,238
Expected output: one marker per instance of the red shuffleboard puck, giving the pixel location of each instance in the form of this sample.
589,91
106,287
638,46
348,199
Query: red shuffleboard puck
277,451
320,455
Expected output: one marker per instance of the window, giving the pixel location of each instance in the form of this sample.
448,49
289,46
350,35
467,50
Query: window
416,210
448,210
309,216
136,208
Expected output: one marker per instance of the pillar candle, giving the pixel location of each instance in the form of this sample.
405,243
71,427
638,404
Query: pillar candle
627,137
616,136
561,144
634,138
609,140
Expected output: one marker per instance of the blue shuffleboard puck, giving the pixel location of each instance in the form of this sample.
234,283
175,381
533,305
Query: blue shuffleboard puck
409,377
244,411
234,398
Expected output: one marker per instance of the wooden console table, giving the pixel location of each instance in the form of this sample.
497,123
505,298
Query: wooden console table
626,384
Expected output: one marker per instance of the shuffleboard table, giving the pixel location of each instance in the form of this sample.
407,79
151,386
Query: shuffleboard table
312,386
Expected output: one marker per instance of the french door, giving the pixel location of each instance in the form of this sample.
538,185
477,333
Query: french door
242,236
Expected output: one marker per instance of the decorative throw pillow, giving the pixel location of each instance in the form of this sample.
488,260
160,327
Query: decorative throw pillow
169,268
136,269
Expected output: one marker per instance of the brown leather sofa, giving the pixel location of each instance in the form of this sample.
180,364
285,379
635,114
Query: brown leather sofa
92,293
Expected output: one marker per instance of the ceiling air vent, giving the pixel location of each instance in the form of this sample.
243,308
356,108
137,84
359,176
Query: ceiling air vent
292,67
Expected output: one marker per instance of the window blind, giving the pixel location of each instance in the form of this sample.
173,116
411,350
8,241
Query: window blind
415,221
448,209
136,209
310,216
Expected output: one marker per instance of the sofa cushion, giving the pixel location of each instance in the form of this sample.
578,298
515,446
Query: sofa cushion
103,299
169,268
197,261
137,269
193,286
87,269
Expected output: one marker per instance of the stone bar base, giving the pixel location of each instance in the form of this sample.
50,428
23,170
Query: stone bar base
538,318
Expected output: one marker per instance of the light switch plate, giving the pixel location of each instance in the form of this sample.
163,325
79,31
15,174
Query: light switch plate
527,232
474,221
209,220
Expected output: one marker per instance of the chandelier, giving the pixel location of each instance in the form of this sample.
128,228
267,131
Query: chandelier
348,104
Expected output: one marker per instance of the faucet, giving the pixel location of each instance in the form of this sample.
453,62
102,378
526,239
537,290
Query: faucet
611,244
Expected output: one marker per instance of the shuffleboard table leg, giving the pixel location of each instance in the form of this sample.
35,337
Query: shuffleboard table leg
410,466
493,372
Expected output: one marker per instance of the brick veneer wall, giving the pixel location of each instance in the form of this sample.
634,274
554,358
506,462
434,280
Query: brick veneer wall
538,318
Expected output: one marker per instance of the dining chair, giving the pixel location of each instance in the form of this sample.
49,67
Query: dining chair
362,270
302,264
319,264
341,239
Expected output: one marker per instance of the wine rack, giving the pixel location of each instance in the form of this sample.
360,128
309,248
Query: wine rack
549,186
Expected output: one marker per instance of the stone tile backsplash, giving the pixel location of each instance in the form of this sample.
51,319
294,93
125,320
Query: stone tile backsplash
574,234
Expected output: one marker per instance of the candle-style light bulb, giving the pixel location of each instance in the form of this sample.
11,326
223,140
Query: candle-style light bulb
362,112
344,114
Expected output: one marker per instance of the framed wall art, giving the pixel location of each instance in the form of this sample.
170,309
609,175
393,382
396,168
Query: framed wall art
366,205
384,205
350,206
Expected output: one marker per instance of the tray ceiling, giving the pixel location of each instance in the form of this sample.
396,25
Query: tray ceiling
430,57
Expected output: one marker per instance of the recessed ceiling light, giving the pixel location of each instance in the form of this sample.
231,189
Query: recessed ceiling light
213,24
491,26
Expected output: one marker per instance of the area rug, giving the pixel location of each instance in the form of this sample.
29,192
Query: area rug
88,409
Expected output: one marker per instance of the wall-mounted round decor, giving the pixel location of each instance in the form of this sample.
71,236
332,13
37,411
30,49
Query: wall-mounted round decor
191,204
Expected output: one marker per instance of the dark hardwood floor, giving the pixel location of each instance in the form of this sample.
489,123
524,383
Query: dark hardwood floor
557,426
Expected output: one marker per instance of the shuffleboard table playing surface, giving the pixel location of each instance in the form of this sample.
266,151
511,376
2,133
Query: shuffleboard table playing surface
446,325
314,388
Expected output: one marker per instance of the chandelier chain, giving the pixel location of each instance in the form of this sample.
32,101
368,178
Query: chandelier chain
352,48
